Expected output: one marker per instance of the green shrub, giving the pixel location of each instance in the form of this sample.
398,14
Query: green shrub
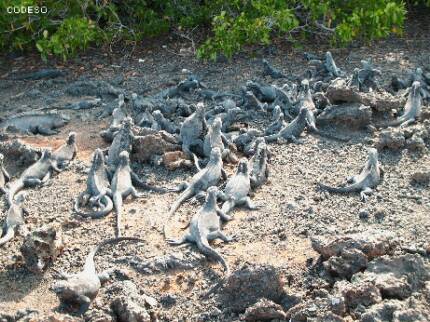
70,26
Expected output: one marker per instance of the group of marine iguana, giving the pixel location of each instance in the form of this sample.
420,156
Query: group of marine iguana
209,136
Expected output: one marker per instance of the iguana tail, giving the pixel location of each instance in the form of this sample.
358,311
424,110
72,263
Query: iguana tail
89,262
117,203
350,188
271,138
13,189
206,249
187,194
10,233
104,200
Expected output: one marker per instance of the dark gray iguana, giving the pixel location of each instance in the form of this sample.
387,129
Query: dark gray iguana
161,123
277,124
118,115
292,130
98,190
206,226
66,152
14,220
122,187
259,164
193,130
82,288
237,189
412,108
365,78
271,71
37,174
264,93
369,177
200,182
44,123
4,175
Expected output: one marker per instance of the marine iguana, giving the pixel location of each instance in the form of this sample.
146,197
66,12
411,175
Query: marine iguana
193,130
331,67
237,189
37,174
40,74
246,140
292,130
365,78
82,288
251,102
122,187
66,152
44,123
4,175
258,164
161,123
265,93
212,95
369,177
98,190
412,108
200,182
215,138
271,71
206,226
118,115
83,105
277,124
14,219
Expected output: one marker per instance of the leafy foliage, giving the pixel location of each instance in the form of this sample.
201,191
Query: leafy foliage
71,26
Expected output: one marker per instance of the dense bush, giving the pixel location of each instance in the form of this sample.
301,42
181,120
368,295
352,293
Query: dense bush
70,26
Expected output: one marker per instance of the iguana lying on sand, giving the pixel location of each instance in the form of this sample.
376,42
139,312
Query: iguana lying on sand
122,187
412,109
82,288
271,71
206,226
14,219
44,123
237,189
66,152
4,175
36,175
369,177
98,192
200,182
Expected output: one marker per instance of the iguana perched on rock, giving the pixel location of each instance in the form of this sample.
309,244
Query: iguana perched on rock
122,187
193,130
265,93
44,123
161,123
66,152
36,175
122,141
271,71
118,115
82,288
237,189
259,164
412,110
200,182
365,78
331,67
206,226
216,139
4,175
98,190
292,130
14,219
369,177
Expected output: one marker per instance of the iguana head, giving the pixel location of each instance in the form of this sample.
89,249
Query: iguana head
157,115
127,122
328,57
200,108
212,193
98,158
215,154
303,112
372,155
124,158
46,154
415,88
71,139
305,85
59,120
216,125
243,166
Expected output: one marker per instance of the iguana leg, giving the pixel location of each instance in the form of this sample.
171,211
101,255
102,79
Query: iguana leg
221,195
223,216
34,182
183,240
182,186
224,174
196,162
219,234
351,179
247,202
104,276
200,196
135,194
408,122
365,193
85,304
57,169
46,131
